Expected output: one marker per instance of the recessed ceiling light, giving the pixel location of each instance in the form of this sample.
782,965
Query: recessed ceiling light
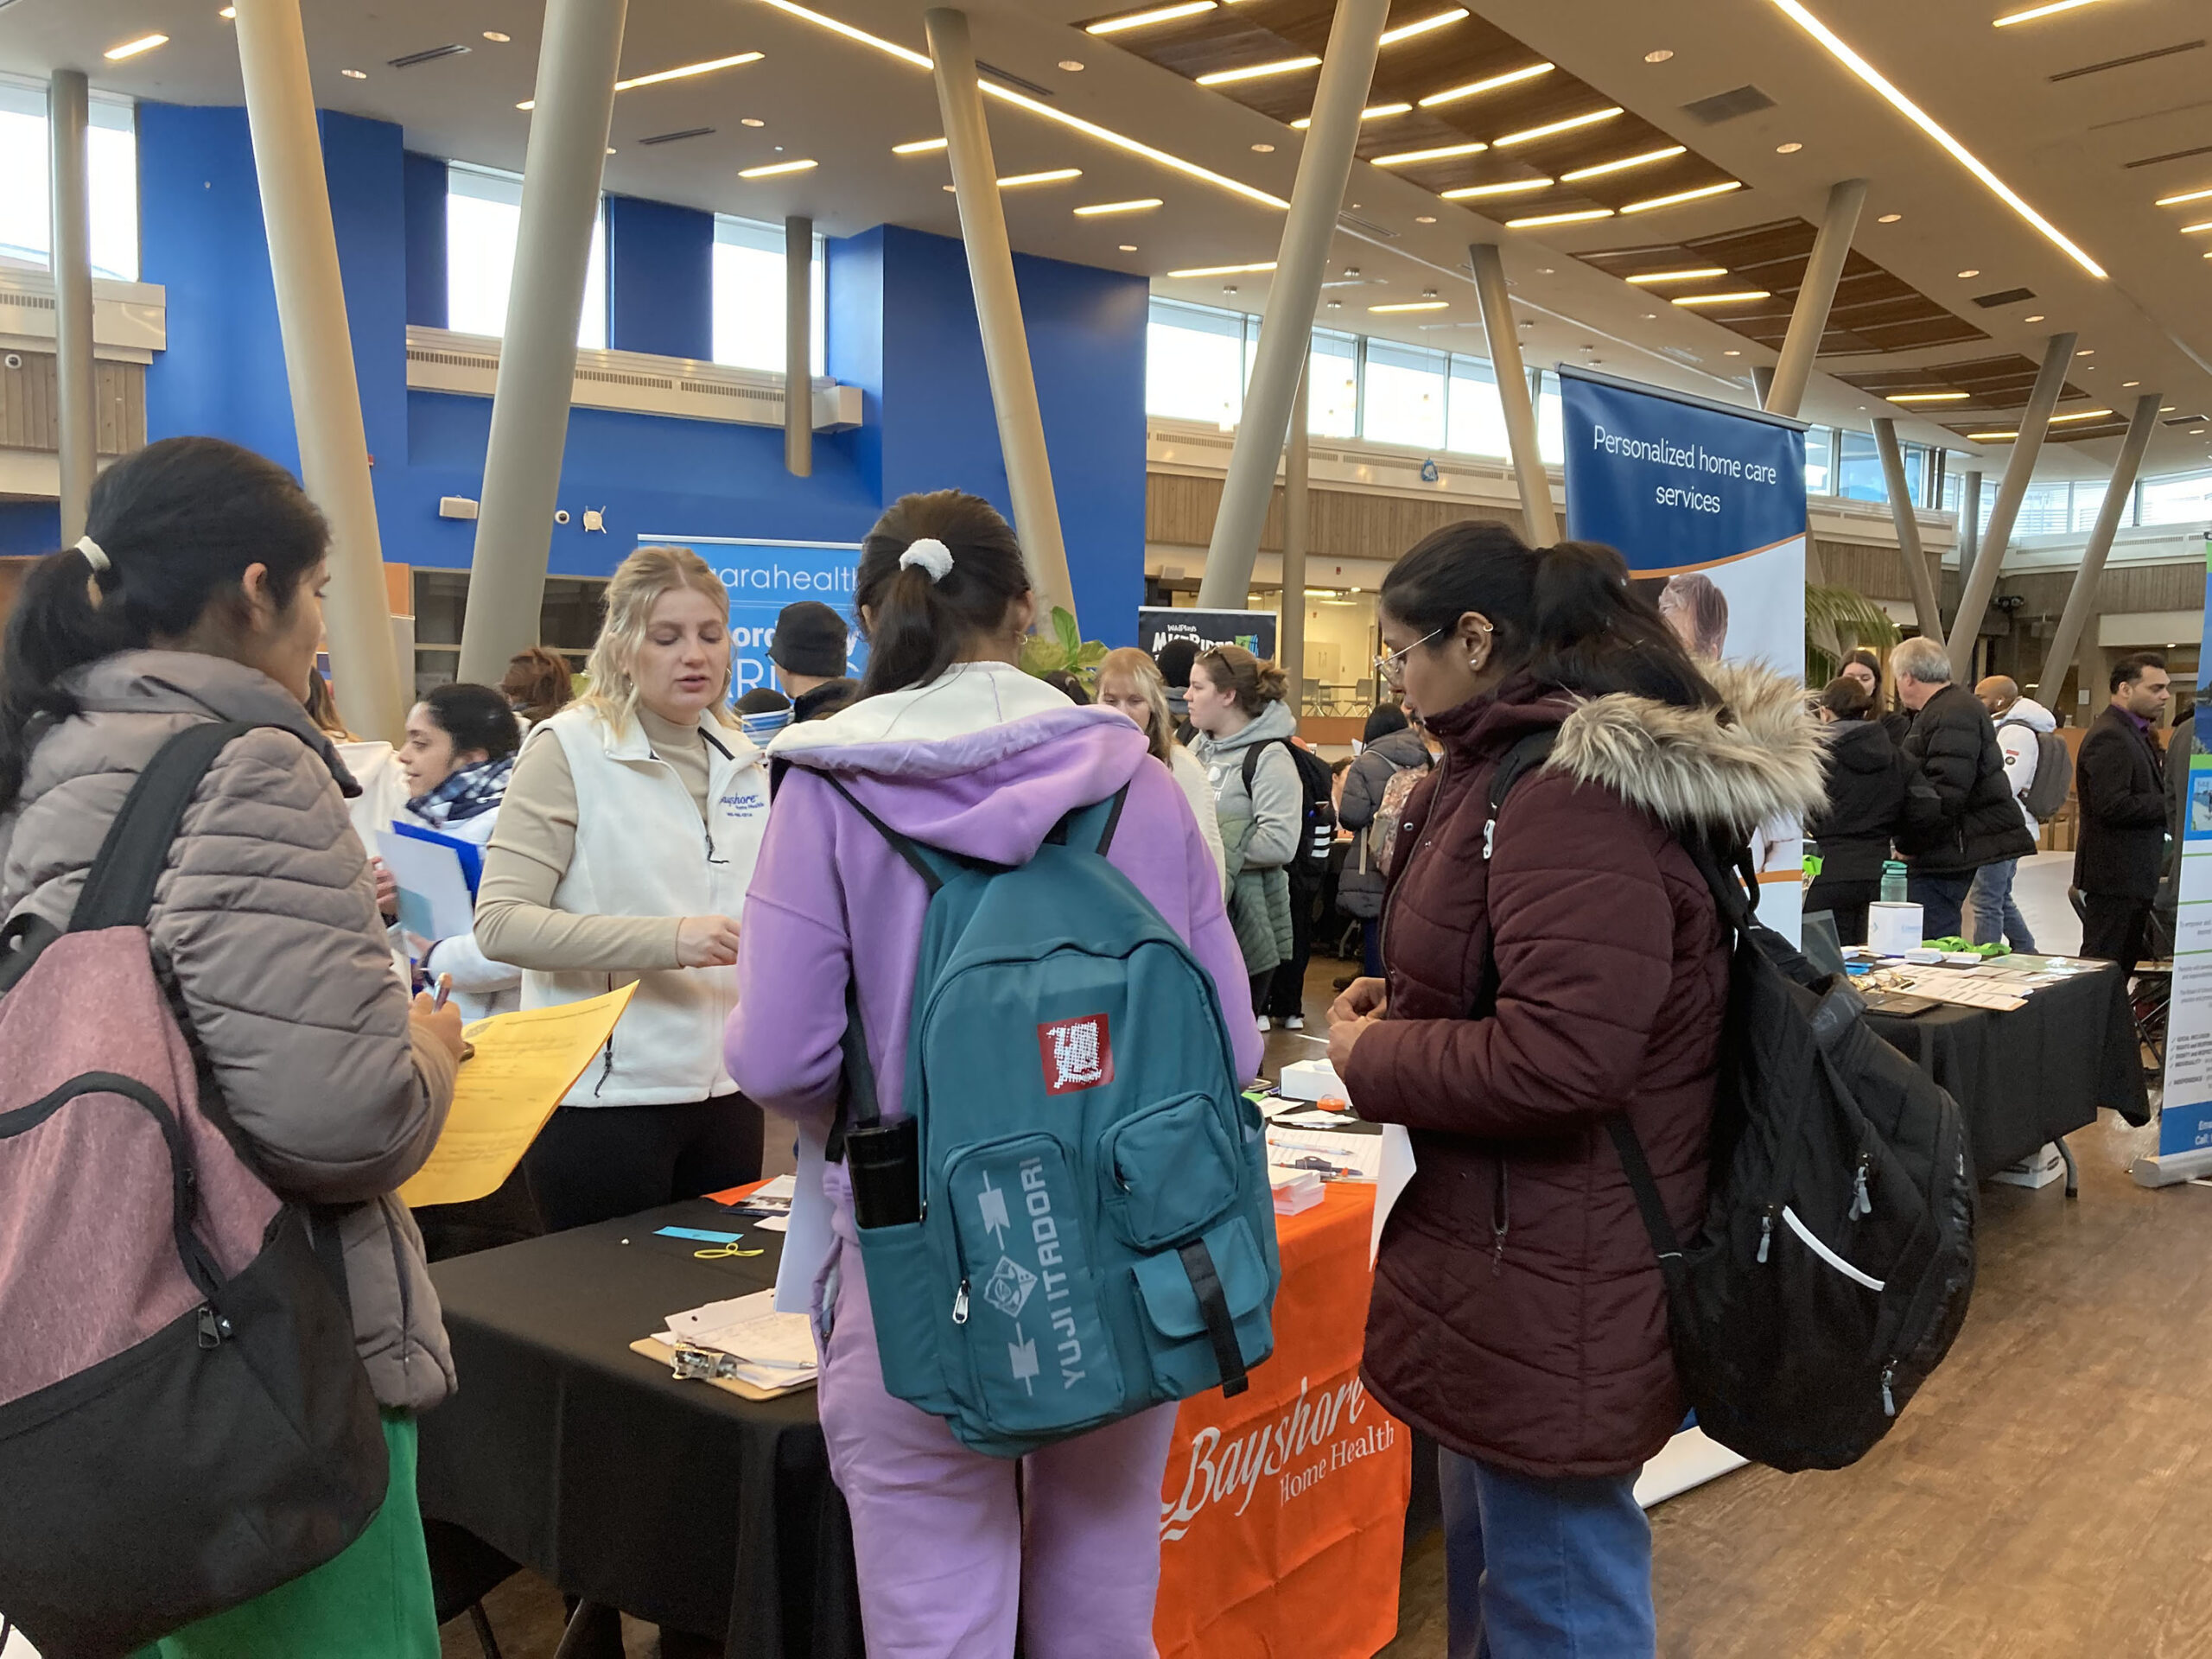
1263,149
1424,218
227,13
1336,305
1442,152
1511,187
1143,19
1698,194
750,121
1546,270
1559,218
1651,316
1224,271
918,147
774,168
1659,56
2125,383
1129,247
1406,31
2037,318
1695,273
1874,78
1789,149
1411,305
2085,351
1260,71
354,75
1138,205
132,48
1924,397
1731,354
1490,83
1370,113
1603,167
2048,9
1744,293
610,150
1352,270
1571,123
1970,271
1889,219
490,35
1073,65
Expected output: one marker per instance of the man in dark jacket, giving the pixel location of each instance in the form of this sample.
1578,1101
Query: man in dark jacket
1961,813
809,652
2121,782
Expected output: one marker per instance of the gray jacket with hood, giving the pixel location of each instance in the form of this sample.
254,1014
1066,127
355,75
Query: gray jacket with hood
266,922
1275,807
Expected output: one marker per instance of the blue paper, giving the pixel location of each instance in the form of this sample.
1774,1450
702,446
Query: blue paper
700,1233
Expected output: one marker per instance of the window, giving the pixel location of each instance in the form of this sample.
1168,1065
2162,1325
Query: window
1859,468
1820,459
2183,500
1194,364
1551,429
749,296
1405,394
1332,398
26,210
1476,425
483,217
2044,511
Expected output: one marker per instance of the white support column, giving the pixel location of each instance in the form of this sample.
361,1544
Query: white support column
2081,599
2019,467
1513,394
1907,520
1286,330
578,63
798,347
67,115
998,309
319,360
1297,530
1808,318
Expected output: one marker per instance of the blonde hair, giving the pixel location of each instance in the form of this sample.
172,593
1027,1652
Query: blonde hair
1145,675
640,581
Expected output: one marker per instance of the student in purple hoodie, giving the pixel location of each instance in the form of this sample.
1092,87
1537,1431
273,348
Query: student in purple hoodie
952,745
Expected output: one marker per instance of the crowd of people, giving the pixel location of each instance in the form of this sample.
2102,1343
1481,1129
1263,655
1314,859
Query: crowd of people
627,836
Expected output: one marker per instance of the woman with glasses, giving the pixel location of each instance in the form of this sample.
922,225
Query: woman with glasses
1559,967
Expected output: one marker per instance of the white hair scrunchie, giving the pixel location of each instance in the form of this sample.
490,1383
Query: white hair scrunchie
931,555
95,555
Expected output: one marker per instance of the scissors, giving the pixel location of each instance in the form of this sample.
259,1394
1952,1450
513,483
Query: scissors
724,1252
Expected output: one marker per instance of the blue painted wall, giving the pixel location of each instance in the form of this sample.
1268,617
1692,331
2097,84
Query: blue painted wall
901,327
660,274
32,528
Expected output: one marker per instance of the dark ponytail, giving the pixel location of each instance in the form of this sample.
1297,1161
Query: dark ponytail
177,523
918,623
1569,614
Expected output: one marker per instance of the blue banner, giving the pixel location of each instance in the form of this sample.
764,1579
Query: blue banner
1706,503
762,578
2185,1114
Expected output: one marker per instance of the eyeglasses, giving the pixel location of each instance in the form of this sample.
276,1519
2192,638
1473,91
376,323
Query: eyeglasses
1393,666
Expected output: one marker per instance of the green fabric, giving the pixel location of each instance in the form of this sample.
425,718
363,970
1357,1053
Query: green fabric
1259,903
373,1600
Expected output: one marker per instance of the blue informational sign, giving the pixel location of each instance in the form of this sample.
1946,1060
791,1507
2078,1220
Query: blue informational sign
1706,503
762,577
2185,1116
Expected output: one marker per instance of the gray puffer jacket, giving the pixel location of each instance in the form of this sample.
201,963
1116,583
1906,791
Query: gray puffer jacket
266,921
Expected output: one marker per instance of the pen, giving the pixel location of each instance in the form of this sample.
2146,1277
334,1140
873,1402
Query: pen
445,990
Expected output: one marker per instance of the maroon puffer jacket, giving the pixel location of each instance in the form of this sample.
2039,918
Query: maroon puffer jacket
1519,1312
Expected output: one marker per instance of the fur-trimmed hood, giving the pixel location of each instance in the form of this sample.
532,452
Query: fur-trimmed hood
1732,769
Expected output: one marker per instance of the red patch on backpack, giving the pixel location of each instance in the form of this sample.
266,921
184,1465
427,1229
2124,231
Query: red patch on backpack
1076,1054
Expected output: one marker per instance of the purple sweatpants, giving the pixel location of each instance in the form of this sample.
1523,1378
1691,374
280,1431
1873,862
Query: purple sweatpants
948,1557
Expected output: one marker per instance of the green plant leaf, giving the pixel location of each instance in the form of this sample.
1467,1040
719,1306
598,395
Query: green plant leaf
1837,619
1063,630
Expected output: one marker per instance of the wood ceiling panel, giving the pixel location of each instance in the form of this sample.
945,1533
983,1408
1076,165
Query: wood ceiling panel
1996,382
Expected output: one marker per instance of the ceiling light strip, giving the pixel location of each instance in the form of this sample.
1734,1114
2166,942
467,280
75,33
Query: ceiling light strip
1866,71
2186,195
1142,204
1442,152
1476,88
1560,218
132,48
1408,31
1680,196
1143,19
1694,274
1739,297
2051,9
1624,163
1051,175
1510,188
1021,100
774,168
920,147
1370,113
681,73
1574,122
1410,305
1224,271
1259,71
1924,397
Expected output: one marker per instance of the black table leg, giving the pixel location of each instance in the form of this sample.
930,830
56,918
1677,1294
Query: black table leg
2073,1175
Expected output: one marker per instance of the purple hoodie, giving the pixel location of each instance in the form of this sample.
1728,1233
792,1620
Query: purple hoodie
991,791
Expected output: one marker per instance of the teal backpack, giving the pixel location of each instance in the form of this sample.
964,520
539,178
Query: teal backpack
1074,1221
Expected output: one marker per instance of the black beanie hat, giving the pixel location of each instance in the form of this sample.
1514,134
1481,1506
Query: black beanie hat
809,639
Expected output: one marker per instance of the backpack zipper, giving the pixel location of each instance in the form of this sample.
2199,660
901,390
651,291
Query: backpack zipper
1766,1232
1501,1221
1889,1401
1862,1204
960,1305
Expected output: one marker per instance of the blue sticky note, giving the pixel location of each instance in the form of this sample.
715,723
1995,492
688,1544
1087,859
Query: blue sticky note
700,1234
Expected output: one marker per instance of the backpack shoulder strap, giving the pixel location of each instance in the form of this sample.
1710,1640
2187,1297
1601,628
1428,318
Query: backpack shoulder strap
1093,825
916,857
119,889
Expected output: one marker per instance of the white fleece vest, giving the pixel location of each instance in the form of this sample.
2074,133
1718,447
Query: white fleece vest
642,851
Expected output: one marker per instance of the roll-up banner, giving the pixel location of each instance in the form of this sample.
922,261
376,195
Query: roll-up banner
2185,1116
1707,502
762,578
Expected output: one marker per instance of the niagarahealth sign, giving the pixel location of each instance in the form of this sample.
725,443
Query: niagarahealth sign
762,577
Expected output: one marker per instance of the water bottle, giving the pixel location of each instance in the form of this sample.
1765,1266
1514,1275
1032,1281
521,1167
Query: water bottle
1892,882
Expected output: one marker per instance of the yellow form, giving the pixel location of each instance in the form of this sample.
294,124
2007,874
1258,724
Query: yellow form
522,1067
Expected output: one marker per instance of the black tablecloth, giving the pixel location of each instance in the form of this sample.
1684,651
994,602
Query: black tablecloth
2028,1075
677,1502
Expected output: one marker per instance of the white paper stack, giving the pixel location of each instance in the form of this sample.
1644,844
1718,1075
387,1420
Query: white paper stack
1295,1190
1333,1155
772,1203
775,1350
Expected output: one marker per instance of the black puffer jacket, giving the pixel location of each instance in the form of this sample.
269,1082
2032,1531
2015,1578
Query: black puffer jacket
1865,780
1973,819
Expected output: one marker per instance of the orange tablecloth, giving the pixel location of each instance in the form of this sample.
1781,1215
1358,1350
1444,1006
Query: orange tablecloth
1282,1516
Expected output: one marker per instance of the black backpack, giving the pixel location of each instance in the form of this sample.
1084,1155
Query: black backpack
1312,855
1836,1257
